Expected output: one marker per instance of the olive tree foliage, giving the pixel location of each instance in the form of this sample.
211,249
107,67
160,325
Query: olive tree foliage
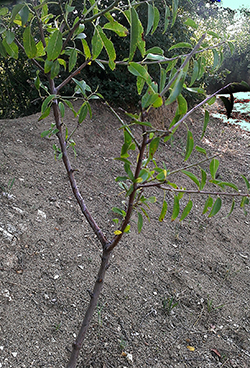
53,41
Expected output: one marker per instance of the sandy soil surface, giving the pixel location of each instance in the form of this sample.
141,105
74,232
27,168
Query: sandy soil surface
176,295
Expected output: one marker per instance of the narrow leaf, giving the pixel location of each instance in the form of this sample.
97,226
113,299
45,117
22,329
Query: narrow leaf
214,164
62,109
29,43
246,182
55,69
201,150
140,222
232,208
166,19
216,207
203,179
174,10
208,204
153,147
150,18
181,45
156,19
176,208
46,102
72,59
186,210
191,23
134,32
190,145
206,120
195,73
192,177
163,211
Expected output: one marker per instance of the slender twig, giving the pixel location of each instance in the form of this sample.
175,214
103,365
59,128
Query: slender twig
166,88
192,191
166,60
192,165
126,220
123,125
77,71
196,107
70,170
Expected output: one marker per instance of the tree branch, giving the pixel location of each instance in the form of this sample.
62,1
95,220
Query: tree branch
68,79
196,107
183,64
70,171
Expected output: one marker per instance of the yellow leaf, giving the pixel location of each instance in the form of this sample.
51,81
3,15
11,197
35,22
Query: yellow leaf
117,232
191,348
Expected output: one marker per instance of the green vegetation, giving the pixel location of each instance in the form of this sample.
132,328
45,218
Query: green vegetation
62,41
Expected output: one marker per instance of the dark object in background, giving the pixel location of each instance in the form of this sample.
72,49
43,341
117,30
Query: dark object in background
233,88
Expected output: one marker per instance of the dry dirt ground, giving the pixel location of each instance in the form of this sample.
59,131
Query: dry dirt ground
176,295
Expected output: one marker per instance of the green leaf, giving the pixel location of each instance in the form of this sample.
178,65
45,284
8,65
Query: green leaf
109,47
128,171
186,210
206,120
195,73
231,46
163,211
46,102
86,49
4,11
177,88
2,50
150,18
232,208
166,18
192,177
190,145
123,160
16,10
45,114
24,14
182,105
181,45
62,109
82,113
244,201
231,185
203,179
55,69
47,66
214,164
156,19
153,147
119,211
155,50
10,36
208,203
191,23
139,71
127,229
72,59
201,150
216,207
62,62
246,182
216,59
174,10
211,101
45,133
116,27
11,49
213,34
140,82
97,44
176,208
140,222
134,32
54,46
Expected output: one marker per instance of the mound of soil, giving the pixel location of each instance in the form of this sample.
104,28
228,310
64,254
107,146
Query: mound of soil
176,295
